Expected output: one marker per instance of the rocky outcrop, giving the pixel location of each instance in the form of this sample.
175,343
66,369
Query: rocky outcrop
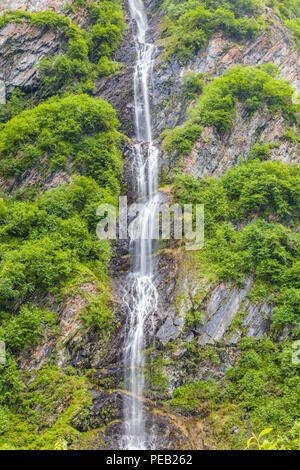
33,5
2,92
226,310
22,46
118,89
215,152
105,416
274,45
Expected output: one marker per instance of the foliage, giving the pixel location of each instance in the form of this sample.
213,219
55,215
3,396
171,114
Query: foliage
25,328
193,84
290,440
43,415
17,102
261,390
255,441
48,239
192,396
289,12
263,248
266,383
187,26
10,384
48,244
252,87
75,68
75,128
61,445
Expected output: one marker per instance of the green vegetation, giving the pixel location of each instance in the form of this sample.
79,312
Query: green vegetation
49,247
239,242
252,87
84,54
48,244
45,411
251,218
188,25
76,129
289,12
261,391
17,102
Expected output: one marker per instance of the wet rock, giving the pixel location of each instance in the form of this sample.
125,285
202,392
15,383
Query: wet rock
106,407
168,332
219,304
106,413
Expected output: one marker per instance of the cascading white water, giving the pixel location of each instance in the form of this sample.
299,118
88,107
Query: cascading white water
141,293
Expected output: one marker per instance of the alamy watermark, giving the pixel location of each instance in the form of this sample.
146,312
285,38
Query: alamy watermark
152,221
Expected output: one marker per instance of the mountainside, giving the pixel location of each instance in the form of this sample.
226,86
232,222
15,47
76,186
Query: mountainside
222,351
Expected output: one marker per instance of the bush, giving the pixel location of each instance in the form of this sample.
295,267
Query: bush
24,329
253,87
74,68
187,27
75,128
239,242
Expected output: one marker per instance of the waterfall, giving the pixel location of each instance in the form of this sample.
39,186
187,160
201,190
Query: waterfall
141,293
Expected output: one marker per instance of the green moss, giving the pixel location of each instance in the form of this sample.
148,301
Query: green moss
46,410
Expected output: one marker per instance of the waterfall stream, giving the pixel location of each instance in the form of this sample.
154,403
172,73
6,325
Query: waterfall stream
141,293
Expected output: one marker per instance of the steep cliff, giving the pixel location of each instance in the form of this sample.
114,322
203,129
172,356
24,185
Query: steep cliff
219,364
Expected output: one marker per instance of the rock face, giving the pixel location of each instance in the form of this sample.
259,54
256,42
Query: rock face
227,313
21,49
2,92
275,45
106,413
214,152
118,90
33,5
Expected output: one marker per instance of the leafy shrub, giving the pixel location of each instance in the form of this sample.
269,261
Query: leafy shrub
249,188
24,328
74,128
187,27
253,87
191,396
74,68
46,244
266,249
289,12
10,382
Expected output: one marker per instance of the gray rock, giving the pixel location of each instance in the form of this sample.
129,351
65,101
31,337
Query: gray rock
168,331
2,92
32,5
